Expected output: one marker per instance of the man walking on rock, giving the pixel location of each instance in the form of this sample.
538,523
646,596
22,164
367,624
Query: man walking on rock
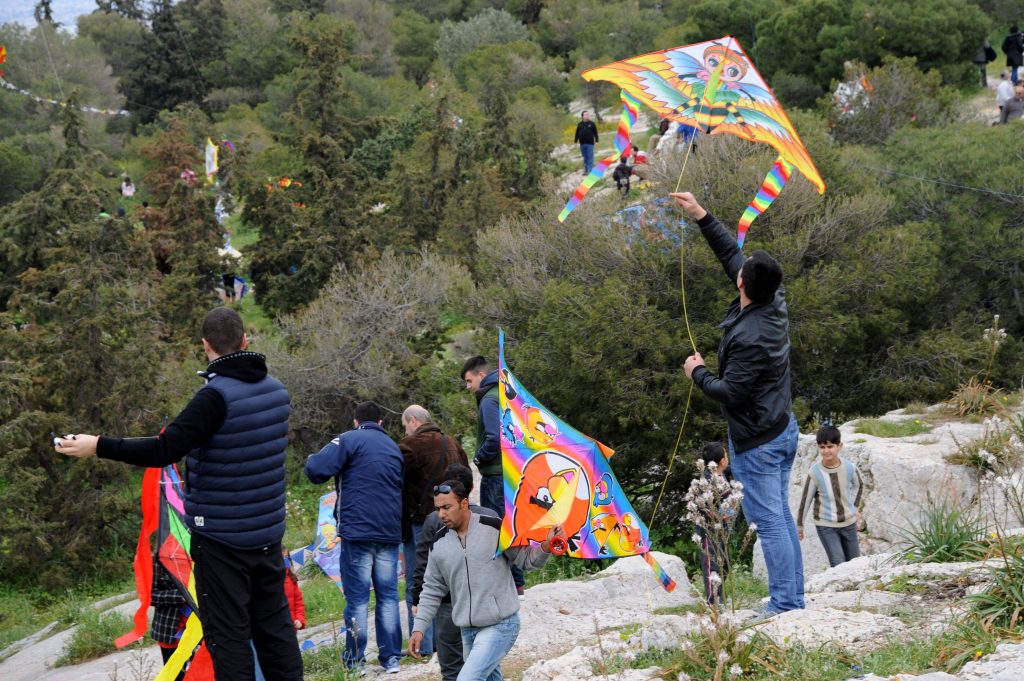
753,388
586,136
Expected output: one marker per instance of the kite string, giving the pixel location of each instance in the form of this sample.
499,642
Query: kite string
672,459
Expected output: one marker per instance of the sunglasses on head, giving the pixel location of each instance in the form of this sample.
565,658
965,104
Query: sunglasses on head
442,489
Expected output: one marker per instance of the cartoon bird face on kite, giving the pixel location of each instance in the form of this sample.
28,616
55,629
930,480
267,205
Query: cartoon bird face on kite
553,490
541,430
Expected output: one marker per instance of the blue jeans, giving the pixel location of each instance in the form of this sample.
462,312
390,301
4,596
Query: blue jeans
587,150
409,550
1013,75
363,562
764,472
485,647
492,496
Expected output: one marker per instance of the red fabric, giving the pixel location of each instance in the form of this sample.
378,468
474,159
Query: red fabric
150,503
201,667
295,602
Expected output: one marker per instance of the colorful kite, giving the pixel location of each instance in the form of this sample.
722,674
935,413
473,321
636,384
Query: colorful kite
715,87
3,57
777,178
555,474
163,512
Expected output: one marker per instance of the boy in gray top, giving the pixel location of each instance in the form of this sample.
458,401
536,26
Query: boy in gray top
485,605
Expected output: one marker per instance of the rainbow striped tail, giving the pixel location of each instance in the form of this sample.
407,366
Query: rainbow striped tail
773,183
666,582
630,107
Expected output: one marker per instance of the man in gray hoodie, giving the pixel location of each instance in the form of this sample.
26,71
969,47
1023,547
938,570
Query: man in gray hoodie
485,605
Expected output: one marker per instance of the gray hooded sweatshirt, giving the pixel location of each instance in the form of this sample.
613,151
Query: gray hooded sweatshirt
480,584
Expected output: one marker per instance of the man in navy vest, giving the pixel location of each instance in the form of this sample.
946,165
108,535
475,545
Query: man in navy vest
233,434
368,468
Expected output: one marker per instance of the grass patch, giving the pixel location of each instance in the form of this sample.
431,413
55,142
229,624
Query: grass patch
741,585
880,428
324,664
324,600
23,612
904,584
915,408
94,637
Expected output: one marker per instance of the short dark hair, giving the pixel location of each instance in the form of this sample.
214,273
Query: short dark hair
475,364
367,411
1014,29
712,452
762,276
829,435
223,330
456,471
458,489
582,112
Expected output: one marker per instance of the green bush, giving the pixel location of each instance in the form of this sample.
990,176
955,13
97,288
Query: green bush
93,637
944,534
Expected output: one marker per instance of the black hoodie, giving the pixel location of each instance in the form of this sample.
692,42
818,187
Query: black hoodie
194,426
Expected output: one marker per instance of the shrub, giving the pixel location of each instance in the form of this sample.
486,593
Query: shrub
945,534
93,637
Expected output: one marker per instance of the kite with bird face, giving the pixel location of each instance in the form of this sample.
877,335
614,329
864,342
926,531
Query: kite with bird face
715,87
556,475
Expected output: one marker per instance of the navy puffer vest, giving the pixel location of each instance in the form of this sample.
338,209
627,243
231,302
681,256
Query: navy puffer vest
236,483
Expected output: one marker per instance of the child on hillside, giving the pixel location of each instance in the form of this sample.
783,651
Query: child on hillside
834,490
714,554
622,174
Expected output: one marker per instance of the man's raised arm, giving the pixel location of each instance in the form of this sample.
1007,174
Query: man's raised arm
722,243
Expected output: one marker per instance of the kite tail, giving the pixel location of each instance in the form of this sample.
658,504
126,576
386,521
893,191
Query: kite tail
630,107
666,582
773,183
144,556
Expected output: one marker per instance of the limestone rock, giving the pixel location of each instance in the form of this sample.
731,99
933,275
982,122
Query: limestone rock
852,630
1005,664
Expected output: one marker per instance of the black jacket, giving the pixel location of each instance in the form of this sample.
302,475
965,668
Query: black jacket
1013,48
586,133
753,384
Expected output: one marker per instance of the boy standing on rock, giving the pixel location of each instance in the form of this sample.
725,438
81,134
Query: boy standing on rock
834,489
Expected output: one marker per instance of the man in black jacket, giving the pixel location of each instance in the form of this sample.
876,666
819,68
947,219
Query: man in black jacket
1013,48
233,432
586,137
753,387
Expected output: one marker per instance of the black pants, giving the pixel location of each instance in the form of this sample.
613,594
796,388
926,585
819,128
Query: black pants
840,543
166,654
713,558
447,643
241,598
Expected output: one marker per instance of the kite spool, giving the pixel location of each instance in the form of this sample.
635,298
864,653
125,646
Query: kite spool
558,546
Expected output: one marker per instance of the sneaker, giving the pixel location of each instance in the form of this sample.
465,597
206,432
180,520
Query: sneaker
393,666
521,592
763,613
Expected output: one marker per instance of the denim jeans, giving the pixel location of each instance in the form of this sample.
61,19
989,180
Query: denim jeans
409,550
840,543
485,647
363,563
587,151
492,496
1013,75
764,472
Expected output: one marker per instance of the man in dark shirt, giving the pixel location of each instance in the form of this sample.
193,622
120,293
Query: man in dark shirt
753,387
586,137
233,433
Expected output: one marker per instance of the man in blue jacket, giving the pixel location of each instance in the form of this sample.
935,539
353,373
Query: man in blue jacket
367,467
482,381
233,433
753,387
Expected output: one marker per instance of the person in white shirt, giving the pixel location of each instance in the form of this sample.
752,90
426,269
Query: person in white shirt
1004,91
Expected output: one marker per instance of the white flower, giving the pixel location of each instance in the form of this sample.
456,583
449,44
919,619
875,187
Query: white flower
379,208
712,465
695,537
714,578
735,670
753,527
723,656
683,676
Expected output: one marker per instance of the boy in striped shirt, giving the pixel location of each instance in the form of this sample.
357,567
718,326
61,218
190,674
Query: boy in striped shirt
833,490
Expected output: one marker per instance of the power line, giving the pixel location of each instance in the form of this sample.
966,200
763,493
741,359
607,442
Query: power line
946,183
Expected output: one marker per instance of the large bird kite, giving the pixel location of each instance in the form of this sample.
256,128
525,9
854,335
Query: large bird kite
712,86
